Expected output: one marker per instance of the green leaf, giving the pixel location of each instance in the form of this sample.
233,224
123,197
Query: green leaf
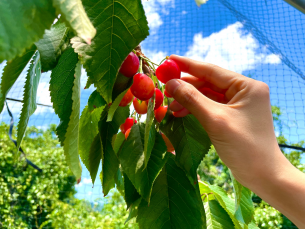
61,84
237,187
132,160
94,157
95,101
216,216
88,131
11,72
150,131
29,96
116,103
121,84
22,24
131,194
116,22
190,141
72,134
120,138
74,14
244,209
119,181
133,210
51,46
110,162
174,203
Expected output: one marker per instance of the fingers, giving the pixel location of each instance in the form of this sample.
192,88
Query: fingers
191,99
199,83
175,106
182,113
213,74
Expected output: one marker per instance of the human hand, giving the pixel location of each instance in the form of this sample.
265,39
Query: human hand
236,113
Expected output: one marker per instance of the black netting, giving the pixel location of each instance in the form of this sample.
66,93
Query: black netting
262,39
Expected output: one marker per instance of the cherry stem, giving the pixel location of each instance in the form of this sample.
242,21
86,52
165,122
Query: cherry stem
141,65
148,60
164,60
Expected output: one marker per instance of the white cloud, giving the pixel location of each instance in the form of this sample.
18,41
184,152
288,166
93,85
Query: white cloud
231,48
87,181
153,8
184,12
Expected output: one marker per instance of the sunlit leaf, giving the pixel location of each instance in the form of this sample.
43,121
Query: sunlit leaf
116,22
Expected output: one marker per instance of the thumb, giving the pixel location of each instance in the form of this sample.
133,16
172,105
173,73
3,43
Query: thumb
190,98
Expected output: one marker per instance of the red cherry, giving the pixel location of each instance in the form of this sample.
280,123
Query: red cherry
141,108
130,65
158,99
167,71
169,145
143,87
160,113
127,133
167,95
126,99
127,124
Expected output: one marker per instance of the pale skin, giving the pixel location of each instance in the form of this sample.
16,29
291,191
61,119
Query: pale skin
240,127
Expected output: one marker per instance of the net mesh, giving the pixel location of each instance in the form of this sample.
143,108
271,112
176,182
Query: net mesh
262,39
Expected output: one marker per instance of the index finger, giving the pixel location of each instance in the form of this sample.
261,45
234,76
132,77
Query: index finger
211,73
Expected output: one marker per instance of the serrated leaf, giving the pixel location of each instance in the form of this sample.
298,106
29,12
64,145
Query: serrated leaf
132,160
29,96
11,72
116,22
51,46
190,141
88,130
74,14
216,216
95,101
175,203
131,194
120,138
72,134
61,84
133,210
116,103
150,131
94,157
22,24
110,162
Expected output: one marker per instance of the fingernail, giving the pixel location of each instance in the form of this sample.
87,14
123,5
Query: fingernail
171,86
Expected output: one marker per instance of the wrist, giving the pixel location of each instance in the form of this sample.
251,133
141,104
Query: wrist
283,187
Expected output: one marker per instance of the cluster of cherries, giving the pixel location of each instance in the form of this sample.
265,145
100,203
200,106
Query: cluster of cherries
143,89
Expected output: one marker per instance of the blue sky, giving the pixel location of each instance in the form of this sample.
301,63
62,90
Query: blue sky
213,34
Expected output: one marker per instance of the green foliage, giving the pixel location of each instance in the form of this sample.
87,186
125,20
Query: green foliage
73,12
11,72
190,141
27,197
72,134
52,45
116,22
61,85
29,96
132,160
110,162
22,24
150,131
90,146
175,202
